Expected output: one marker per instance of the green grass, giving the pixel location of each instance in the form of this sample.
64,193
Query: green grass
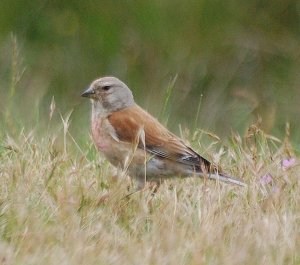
64,207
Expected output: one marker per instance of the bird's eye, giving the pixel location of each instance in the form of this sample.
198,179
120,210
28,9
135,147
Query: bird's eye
106,88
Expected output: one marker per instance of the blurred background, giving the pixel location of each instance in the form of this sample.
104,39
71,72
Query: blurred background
234,61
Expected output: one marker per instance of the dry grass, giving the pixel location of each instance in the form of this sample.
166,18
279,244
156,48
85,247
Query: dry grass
54,207
54,211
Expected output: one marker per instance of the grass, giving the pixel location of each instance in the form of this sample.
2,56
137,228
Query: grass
55,208
59,203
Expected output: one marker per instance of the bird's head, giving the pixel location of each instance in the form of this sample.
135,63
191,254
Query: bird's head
109,94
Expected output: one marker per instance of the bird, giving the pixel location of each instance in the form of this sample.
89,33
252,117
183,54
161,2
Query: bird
134,141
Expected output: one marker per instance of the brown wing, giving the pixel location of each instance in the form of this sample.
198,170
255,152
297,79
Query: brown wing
158,140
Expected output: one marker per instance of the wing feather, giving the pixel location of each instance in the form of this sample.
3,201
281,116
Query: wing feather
159,141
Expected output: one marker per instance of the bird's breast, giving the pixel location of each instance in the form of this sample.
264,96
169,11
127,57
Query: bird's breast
100,134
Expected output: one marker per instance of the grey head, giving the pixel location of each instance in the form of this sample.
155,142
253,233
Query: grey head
109,94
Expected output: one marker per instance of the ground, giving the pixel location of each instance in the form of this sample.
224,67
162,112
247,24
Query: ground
64,207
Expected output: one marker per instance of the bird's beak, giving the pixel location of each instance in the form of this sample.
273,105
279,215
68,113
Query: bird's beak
88,92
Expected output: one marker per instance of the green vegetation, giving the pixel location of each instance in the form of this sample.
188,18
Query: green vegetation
242,56
223,75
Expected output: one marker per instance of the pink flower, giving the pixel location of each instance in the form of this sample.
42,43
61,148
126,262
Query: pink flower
275,189
288,163
266,179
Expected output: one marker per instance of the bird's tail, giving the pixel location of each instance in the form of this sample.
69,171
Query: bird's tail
212,171
226,178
